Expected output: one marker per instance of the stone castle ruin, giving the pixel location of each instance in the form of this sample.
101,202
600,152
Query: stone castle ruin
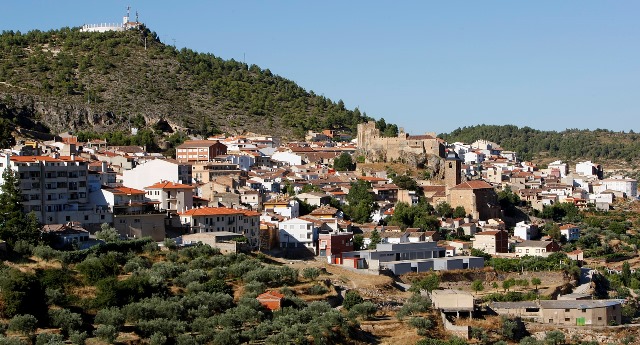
413,150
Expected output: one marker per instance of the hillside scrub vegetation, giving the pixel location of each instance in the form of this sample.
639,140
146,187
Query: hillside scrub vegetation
188,296
99,81
570,144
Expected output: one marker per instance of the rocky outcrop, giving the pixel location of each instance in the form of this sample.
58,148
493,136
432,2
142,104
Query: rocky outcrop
43,115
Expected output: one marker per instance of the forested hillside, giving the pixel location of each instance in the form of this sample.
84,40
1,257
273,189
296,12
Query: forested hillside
68,80
570,144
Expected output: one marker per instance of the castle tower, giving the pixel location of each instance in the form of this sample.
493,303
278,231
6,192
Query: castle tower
452,170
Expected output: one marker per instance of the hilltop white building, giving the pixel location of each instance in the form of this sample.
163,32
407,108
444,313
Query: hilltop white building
104,27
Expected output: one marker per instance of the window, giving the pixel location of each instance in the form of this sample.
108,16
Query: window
599,318
567,310
68,218
86,217
567,319
550,320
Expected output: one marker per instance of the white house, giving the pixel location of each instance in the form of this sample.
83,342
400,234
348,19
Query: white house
286,208
174,197
627,186
298,233
217,219
570,232
525,230
589,169
244,162
287,158
157,170
560,166
474,157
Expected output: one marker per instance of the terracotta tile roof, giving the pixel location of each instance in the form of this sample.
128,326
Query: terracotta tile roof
218,211
33,159
474,184
198,143
489,232
436,190
168,185
371,178
324,210
124,190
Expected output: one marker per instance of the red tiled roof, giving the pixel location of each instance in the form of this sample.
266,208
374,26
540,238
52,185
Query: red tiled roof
125,190
474,184
169,185
489,232
198,143
371,178
217,211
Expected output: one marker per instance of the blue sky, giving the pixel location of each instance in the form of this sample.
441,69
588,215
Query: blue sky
424,65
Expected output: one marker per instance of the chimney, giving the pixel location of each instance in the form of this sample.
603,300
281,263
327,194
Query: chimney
73,157
104,166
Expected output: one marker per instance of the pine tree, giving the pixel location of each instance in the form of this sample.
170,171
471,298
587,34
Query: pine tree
12,217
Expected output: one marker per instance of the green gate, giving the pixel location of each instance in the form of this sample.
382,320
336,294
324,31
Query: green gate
580,321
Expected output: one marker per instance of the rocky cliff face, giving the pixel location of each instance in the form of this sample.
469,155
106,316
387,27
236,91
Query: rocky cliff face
42,115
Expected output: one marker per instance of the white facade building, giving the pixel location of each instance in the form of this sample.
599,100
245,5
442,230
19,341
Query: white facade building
589,169
525,231
625,185
216,219
55,189
157,170
559,165
172,197
287,158
298,233
570,232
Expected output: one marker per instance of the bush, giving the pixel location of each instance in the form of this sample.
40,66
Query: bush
23,248
96,268
554,337
254,288
110,316
185,339
49,339
65,319
317,289
166,327
78,338
25,324
136,263
415,304
422,324
55,296
45,252
429,283
310,273
351,298
12,341
157,339
21,294
365,310
107,333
